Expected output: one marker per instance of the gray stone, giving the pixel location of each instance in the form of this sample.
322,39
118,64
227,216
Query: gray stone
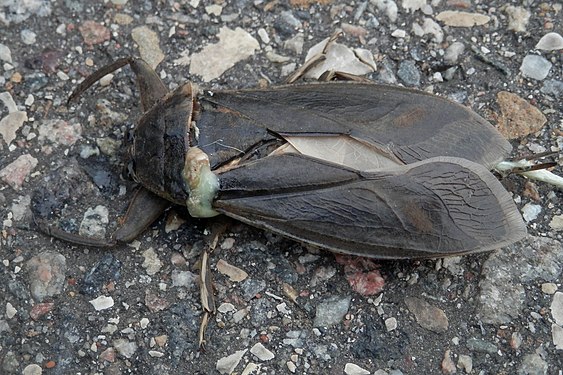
59,132
251,287
428,316
32,369
533,364
453,52
183,279
535,67
557,308
214,59
518,18
354,369
387,7
5,53
28,37
46,272
550,42
261,352
482,346
295,44
413,5
10,363
552,87
15,118
15,173
557,336
125,347
331,311
531,211
148,42
408,73
94,222
502,294
152,263
227,365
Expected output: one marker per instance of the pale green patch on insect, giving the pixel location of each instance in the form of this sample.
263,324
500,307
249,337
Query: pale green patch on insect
202,184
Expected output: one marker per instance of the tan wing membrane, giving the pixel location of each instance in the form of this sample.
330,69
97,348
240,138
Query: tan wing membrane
344,150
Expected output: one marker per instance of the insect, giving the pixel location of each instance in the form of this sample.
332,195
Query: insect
356,168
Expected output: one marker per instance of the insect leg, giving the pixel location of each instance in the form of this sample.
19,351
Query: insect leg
206,280
143,210
150,85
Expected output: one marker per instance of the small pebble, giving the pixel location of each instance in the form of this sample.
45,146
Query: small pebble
482,346
448,365
152,263
453,52
94,222
389,8
531,211
28,37
557,308
550,42
353,369
183,278
533,364
5,53
399,33
291,366
331,311
32,369
557,336
125,347
10,310
261,352
465,362
214,9
549,288
391,324
518,18
409,73
556,223
46,272
227,365
462,19
102,303
535,67
552,87
428,316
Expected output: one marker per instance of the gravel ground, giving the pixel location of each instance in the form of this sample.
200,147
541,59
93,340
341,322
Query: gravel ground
283,307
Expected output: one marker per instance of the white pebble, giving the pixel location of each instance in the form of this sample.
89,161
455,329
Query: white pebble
550,42
102,303
530,211
391,324
263,34
261,352
354,369
399,33
62,76
10,311
535,67
28,37
106,80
